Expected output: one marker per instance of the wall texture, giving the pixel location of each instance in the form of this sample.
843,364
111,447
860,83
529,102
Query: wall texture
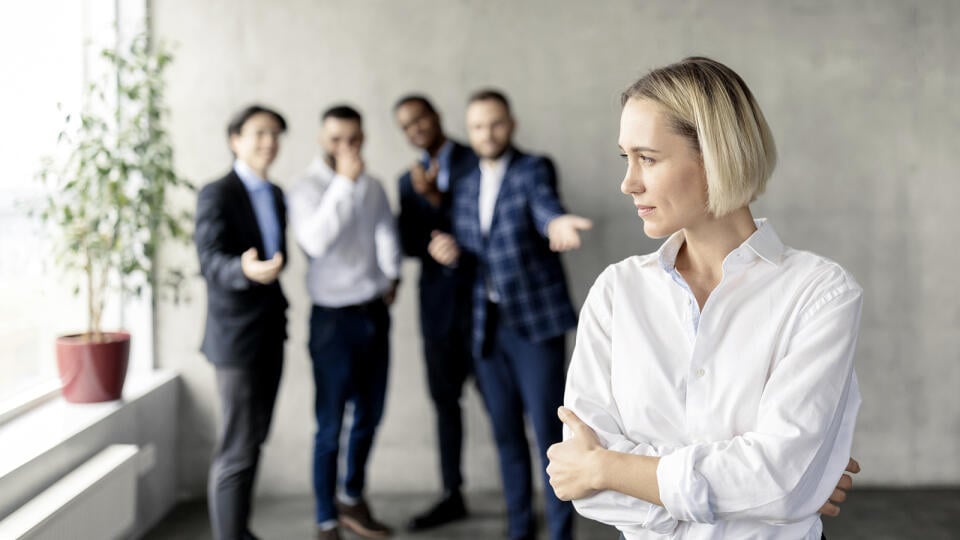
861,97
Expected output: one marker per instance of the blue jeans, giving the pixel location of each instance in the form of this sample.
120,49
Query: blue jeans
350,350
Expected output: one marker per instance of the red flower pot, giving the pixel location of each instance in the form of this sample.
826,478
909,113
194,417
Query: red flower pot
93,371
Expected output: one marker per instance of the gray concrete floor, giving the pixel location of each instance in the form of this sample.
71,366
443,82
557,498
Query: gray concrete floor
867,515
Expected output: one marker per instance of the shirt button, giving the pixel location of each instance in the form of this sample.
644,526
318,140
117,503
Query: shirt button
701,372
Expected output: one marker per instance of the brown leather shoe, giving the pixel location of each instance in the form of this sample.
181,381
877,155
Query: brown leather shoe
357,518
329,534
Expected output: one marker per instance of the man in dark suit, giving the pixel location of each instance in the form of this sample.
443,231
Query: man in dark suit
240,242
508,219
425,203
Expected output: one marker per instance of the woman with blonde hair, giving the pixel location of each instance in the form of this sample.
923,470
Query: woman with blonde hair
711,393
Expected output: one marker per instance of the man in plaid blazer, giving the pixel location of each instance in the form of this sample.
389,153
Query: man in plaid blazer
509,224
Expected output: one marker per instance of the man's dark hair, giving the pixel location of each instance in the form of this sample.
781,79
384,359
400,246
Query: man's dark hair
415,98
343,112
488,94
240,118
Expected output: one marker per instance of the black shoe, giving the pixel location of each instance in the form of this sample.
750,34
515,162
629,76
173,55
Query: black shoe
449,508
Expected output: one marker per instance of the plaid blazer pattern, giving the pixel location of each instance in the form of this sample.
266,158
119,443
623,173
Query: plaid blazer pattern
515,257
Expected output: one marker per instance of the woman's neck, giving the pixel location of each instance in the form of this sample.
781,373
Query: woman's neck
706,245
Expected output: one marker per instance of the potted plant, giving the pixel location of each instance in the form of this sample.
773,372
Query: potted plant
106,212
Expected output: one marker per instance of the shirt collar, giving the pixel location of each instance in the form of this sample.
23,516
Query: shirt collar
443,155
763,243
498,167
321,167
766,243
250,179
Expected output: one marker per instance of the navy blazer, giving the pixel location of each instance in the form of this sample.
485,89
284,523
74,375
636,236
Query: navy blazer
241,314
444,292
515,257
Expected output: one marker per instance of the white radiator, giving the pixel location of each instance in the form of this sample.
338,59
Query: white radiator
95,501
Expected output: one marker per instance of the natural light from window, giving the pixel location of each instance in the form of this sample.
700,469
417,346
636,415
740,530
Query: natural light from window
45,54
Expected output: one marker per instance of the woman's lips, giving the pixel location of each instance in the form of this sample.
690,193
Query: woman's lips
644,211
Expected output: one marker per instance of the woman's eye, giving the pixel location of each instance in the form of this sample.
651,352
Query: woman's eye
646,160
623,156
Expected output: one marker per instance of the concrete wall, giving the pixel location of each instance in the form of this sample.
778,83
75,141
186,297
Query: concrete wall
861,97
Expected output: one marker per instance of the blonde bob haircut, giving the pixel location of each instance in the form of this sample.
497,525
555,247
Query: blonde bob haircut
710,105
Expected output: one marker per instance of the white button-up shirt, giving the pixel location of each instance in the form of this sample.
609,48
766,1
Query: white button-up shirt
750,404
491,177
349,233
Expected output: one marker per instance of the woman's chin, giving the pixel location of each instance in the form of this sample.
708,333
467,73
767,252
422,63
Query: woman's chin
655,230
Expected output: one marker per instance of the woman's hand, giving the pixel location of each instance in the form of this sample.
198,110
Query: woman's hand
832,506
575,464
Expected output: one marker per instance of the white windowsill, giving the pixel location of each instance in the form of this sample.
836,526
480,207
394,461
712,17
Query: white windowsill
40,430
24,401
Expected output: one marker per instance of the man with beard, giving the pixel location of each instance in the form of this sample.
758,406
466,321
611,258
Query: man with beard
342,220
508,220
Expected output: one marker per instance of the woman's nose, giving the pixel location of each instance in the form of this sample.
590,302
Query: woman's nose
631,183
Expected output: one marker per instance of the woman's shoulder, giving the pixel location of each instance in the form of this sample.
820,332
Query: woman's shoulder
821,276
631,270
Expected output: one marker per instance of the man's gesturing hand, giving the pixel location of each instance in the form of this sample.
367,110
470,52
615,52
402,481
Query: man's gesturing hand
564,231
264,272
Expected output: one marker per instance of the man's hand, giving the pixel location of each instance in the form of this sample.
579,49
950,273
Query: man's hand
564,232
443,248
573,465
424,182
349,164
832,506
390,295
264,272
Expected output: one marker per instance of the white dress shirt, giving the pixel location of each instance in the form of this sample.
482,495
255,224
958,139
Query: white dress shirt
349,234
491,177
750,404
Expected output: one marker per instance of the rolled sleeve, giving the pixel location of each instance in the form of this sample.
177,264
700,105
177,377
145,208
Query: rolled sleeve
794,457
684,493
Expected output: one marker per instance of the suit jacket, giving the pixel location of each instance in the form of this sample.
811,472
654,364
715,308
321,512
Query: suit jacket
445,293
515,257
241,314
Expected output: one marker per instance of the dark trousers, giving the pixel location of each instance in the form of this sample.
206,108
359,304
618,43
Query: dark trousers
448,365
523,376
350,351
247,396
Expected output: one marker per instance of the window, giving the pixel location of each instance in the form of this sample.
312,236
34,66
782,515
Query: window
47,51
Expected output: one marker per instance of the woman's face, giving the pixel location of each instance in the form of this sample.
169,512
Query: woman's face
665,175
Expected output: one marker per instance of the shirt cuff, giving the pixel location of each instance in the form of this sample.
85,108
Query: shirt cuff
684,492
